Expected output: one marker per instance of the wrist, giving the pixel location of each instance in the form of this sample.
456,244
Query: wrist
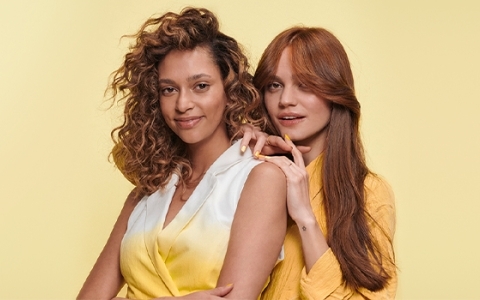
310,231
306,219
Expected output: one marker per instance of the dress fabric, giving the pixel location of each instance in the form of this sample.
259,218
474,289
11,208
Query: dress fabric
289,279
187,255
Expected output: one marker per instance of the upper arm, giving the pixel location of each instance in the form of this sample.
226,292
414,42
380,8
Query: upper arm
105,278
257,233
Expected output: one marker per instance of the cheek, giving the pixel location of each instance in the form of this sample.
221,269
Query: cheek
269,104
325,112
165,109
319,106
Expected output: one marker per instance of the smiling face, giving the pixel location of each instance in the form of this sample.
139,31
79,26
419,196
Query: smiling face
192,96
294,109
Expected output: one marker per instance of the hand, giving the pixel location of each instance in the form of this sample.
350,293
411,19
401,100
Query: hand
216,293
265,144
298,194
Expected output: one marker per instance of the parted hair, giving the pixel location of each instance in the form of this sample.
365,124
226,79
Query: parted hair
320,62
145,149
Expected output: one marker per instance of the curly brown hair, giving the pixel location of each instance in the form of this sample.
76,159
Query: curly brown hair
146,150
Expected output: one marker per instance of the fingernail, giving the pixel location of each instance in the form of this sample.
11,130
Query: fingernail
263,156
243,148
257,153
229,285
287,137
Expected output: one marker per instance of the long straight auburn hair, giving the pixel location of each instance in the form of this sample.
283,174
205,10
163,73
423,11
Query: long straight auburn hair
320,62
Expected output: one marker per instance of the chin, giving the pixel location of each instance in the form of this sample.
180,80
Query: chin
189,139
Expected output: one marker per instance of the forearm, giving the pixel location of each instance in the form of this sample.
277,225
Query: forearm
314,244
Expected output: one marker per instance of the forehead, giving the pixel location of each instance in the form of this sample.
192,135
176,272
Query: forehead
284,65
187,63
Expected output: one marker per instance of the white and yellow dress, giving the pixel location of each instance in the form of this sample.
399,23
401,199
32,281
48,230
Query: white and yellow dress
187,255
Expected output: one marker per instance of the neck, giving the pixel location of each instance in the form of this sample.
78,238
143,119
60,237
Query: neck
317,144
204,154
311,155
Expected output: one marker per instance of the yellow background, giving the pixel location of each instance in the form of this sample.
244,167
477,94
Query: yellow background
417,70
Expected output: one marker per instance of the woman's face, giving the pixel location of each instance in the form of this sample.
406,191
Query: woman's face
294,109
192,96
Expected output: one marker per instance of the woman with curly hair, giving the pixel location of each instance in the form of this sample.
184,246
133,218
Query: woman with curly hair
202,214
342,215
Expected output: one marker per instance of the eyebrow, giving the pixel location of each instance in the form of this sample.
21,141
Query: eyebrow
295,77
198,76
190,78
166,81
274,78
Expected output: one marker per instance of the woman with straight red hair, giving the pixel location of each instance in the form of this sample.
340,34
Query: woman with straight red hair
342,215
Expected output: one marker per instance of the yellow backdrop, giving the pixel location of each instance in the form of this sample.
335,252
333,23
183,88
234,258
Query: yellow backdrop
416,65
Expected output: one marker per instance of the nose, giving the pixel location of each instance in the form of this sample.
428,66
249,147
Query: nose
288,97
184,102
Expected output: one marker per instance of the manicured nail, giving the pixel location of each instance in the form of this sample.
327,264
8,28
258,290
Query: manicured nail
229,285
263,156
257,153
243,148
287,137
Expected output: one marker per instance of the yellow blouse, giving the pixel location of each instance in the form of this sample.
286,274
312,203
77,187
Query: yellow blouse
289,279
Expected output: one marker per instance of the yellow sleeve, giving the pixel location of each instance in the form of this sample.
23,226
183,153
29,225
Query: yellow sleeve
325,281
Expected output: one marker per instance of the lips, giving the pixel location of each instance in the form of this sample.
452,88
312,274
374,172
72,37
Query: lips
290,119
187,123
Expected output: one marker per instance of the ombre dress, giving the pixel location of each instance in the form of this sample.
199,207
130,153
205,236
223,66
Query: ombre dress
187,255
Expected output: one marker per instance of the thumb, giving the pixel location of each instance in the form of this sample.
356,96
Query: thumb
221,291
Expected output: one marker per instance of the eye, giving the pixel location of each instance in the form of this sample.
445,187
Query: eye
167,91
273,86
202,87
304,87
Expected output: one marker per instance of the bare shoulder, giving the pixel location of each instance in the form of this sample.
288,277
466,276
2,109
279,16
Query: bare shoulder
132,199
268,174
266,181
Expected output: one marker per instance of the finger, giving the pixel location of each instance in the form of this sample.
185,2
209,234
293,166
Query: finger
260,143
247,136
280,161
297,155
278,142
221,291
273,145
